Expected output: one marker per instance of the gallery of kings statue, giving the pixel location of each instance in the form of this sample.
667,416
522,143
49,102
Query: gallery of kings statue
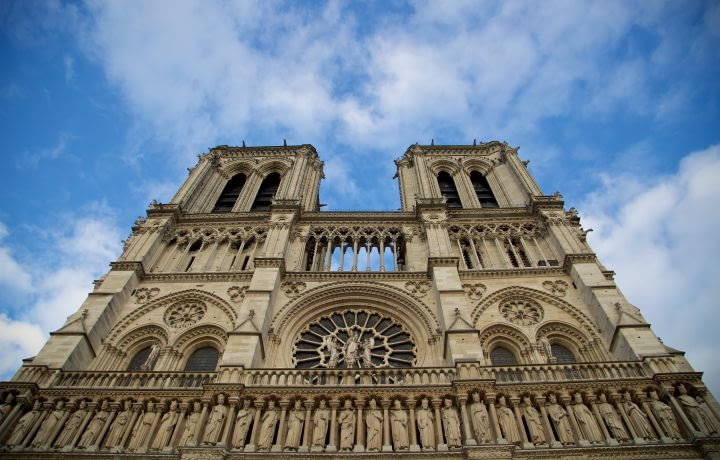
241,321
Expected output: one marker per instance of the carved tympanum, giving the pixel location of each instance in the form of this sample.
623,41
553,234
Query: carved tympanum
523,312
183,315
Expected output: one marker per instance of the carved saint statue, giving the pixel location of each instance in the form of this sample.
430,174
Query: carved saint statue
451,424
692,408
374,424
214,427
426,425
48,425
589,430
333,352
508,424
480,419
149,363
665,416
545,344
141,430
190,426
167,427
23,426
560,420
242,423
320,426
367,352
7,406
296,420
68,432
114,437
532,420
612,420
352,348
267,427
399,425
347,427
94,427
711,427
638,418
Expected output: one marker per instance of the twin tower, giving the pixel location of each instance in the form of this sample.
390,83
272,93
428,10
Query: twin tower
242,321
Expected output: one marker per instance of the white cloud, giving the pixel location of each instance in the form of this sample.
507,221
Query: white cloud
18,340
12,275
660,235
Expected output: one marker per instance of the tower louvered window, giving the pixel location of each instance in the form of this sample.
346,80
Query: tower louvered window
483,190
268,189
448,190
230,194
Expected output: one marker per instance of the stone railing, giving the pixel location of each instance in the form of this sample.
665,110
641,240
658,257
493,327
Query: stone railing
543,373
46,378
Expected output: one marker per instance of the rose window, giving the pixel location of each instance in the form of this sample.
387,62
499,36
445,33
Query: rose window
521,312
354,339
184,315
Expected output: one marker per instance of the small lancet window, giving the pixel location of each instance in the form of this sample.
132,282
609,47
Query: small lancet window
448,190
230,194
203,359
501,356
138,360
562,354
192,254
483,190
267,191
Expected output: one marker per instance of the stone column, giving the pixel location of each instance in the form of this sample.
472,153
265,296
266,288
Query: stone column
146,442
250,446
547,424
176,432
128,429
10,419
360,430
621,410
201,423
689,428
469,440
387,443
334,403
438,425
514,401
278,446
96,445
653,420
229,422
414,447
61,424
573,421
305,447
31,434
601,423
493,418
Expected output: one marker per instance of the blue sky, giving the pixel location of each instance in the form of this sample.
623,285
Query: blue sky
103,106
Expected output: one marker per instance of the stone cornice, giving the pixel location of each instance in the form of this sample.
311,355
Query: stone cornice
339,276
511,272
227,151
218,276
571,259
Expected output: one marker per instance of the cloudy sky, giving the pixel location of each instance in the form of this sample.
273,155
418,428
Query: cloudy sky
103,106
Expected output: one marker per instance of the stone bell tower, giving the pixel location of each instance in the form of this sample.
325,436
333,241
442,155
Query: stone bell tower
241,321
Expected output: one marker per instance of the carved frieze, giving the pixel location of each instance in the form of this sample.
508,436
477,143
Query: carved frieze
558,287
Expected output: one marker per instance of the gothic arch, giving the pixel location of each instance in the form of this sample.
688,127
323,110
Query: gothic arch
388,300
170,299
231,169
476,164
446,165
534,294
507,336
198,336
270,166
141,336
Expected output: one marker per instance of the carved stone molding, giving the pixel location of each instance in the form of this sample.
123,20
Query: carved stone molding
293,288
474,291
523,312
143,294
236,293
558,287
418,288
184,315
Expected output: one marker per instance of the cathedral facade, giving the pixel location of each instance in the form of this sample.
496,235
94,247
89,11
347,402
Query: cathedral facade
240,321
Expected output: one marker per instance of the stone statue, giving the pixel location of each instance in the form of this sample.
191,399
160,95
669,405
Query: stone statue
545,344
707,416
333,353
532,419
296,420
589,430
167,427
480,419
367,352
267,427
149,363
68,432
142,427
638,418
665,416
117,429
23,426
508,424
612,420
320,426
426,425
48,425
399,425
190,425
347,427
215,423
7,406
352,348
451,424
692,408
374,424
94,427
560,420
242,423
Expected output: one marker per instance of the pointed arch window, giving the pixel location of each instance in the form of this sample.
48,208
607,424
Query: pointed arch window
562,354
267,191
203,359
483,190
230,193
138,360
501,356
449,190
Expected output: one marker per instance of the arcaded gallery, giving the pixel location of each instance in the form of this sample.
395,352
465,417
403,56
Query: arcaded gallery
241,321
